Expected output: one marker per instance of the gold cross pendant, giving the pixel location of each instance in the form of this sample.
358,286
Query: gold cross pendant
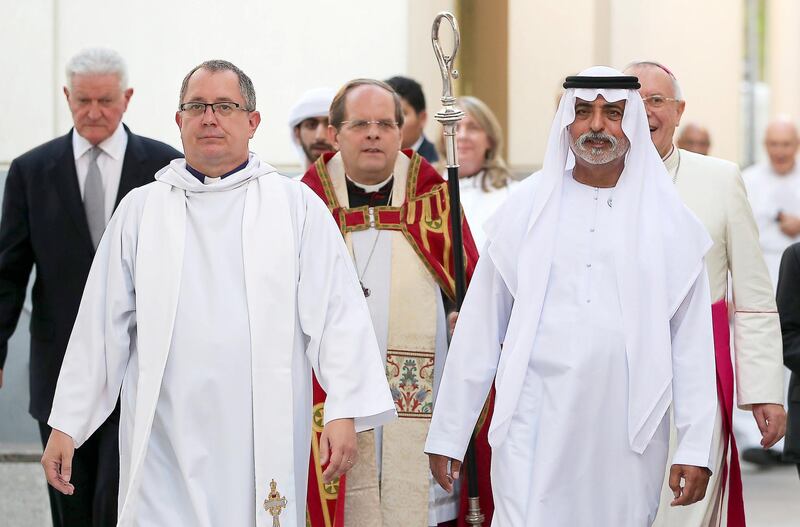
275,503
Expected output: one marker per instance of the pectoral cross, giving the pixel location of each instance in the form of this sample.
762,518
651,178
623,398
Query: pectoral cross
275,503
364,289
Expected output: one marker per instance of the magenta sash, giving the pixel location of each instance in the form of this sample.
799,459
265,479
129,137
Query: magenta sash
732,479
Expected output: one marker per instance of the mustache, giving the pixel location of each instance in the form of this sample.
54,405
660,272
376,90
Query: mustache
596,136
321,144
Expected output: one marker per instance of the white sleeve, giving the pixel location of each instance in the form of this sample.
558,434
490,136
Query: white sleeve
335,318
471,362
99,347
694,383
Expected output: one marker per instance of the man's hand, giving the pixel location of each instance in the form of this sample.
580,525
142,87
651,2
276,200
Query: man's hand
1,377
439,469
57,461
452,318
338,448
695,482
789,224
771,420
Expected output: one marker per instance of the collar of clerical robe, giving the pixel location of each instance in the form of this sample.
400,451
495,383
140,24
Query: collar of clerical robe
206,180
359,195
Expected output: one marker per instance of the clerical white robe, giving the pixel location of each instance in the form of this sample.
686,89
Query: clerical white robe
771,193
479,204
566,459
208,306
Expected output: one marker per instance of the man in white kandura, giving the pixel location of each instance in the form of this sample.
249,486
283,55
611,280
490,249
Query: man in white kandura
591,307
214,292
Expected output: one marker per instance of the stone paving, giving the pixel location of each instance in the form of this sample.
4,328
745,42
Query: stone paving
772,496
23,495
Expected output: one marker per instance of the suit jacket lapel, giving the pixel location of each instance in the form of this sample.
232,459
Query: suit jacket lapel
131,167
65,178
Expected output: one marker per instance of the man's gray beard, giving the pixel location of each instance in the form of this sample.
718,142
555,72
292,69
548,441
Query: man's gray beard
597,156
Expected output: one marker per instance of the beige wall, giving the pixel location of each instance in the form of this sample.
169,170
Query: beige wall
484,59
547,41
289,47
422,65
286,47
782,67
700,41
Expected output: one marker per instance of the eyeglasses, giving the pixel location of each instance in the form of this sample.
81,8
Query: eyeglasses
222,109
657,101
360,125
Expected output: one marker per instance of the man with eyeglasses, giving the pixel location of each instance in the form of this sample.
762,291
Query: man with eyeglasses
713,190
392,208
308,125
58,198
214,292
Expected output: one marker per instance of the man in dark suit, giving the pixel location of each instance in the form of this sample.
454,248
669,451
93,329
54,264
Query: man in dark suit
58,198
413,100
789,309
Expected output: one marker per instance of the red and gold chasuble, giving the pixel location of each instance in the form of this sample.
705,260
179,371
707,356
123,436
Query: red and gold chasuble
423,221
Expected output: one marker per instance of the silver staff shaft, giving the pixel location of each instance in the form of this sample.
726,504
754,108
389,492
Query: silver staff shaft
449,116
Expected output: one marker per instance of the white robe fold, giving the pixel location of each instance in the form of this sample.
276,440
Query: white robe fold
208,306
479,204
569,425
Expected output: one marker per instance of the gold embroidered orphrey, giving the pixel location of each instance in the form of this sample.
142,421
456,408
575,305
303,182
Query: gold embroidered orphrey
275,503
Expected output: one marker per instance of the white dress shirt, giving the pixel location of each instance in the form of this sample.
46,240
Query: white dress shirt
109,161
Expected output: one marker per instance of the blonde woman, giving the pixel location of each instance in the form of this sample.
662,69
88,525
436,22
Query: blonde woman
484,176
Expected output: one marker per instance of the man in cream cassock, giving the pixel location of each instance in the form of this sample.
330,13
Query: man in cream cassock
712,188
590,311
214,292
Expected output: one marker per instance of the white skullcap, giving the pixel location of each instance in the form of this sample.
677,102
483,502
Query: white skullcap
313,103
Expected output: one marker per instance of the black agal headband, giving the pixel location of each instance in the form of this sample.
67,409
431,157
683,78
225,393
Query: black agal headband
599,83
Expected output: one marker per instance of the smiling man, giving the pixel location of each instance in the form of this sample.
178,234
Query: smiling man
391,206
214,292
58,199
712,189
584,329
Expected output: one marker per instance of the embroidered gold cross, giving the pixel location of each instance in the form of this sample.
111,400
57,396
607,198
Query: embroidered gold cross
275,503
